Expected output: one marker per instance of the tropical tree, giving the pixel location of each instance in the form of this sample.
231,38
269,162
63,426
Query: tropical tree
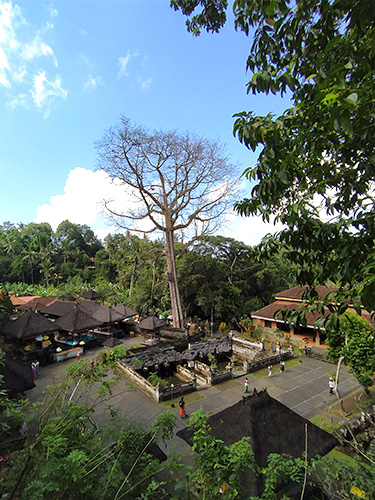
354,344
179,182
316,164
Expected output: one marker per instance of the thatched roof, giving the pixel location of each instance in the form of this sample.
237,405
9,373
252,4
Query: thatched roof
153,356
91,295
126,311
30,324
58,308
213,346
77,320
272,428
152,323
112,342
104,314
17,377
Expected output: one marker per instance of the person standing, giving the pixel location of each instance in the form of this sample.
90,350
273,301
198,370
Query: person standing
37,367
246,385
33,368
270,371
282,366
271,345
331,385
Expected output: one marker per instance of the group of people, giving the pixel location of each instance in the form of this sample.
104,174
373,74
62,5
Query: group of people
282,368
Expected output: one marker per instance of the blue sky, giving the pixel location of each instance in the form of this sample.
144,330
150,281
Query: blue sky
70,69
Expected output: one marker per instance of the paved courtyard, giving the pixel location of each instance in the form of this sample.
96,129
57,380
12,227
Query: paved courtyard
302,387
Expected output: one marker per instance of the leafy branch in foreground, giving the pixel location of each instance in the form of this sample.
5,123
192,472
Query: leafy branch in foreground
68,456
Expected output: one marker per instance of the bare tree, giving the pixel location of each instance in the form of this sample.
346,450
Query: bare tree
180,182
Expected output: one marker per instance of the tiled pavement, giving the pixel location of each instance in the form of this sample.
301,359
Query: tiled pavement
303,388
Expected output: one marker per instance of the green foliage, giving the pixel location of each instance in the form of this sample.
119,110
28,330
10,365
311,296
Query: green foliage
217,463
338,477
354,341
316,165
67,455
155,380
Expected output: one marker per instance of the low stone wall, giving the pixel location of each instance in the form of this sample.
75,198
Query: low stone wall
219,377
166,393
191,375
69,353
156,392
139,381
262,363
245,349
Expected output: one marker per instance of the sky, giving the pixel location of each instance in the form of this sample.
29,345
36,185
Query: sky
68,71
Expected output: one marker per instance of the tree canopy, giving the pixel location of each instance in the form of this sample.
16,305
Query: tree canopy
316,164
180,182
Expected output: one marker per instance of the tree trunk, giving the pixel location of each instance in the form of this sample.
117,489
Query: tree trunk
172,280
337,384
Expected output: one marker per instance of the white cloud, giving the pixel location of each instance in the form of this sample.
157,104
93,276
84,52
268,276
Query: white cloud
123,63
25,59
45,91
92,83
250,230
81,203
37,48
53,12
19,101
145,84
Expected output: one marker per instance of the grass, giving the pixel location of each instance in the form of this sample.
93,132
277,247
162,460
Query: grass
229,384
324,423
189,398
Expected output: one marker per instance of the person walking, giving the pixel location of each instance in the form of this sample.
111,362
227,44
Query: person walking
331,385
181,404
33,368
270,371
246,385
282,366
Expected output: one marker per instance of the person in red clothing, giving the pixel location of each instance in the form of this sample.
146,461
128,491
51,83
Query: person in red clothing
181,404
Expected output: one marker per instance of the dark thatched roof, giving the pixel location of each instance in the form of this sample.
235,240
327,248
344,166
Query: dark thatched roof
153,356
77,320
30,324
152,323
126,311
91,295
58,308
112,342
213,346
271,426
17,377
105,314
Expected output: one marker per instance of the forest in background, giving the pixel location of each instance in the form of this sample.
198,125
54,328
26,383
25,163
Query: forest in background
220,279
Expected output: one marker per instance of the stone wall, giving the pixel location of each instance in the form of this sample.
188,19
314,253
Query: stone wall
252,366
245,349
139,381
156,392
